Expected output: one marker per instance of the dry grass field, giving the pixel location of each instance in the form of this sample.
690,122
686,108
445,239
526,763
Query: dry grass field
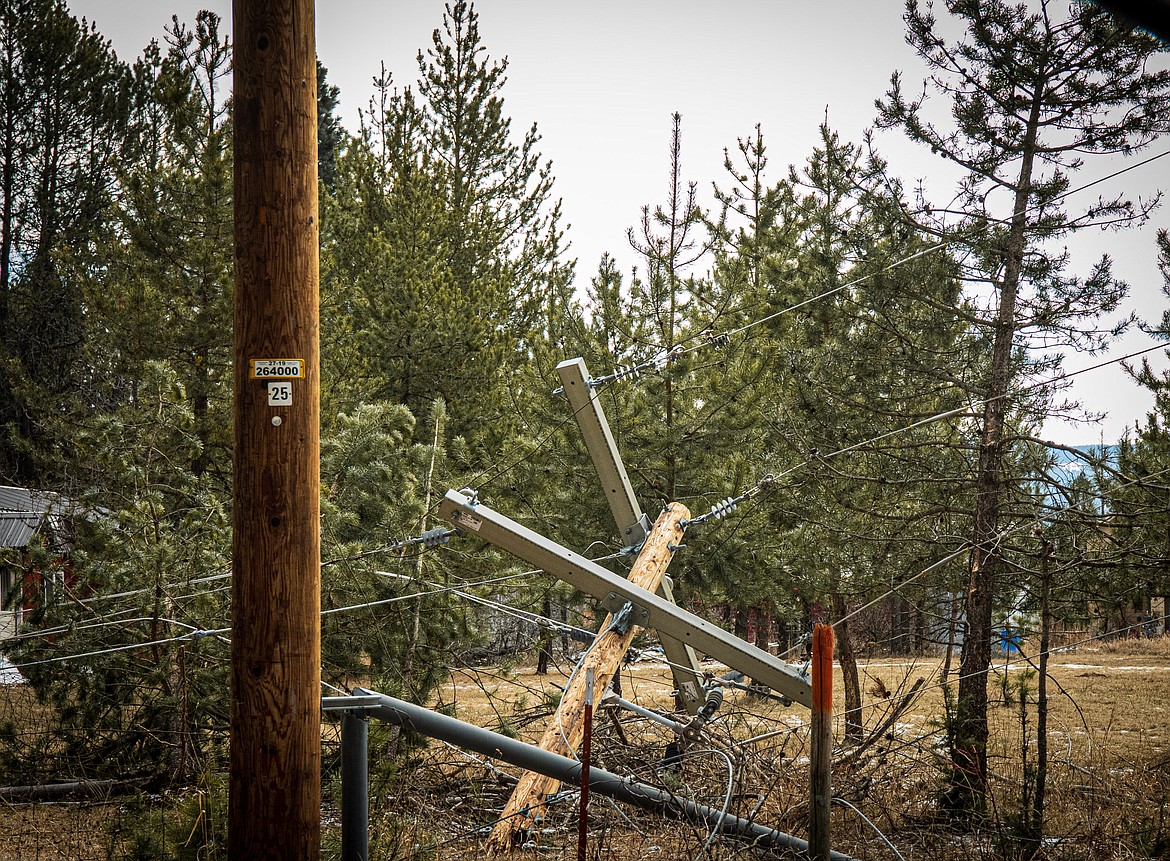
1107,789
1108,780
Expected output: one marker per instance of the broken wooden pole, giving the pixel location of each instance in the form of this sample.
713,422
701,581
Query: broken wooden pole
526,806
820,784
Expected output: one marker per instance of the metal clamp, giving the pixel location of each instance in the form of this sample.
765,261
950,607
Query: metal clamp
635,615
346,704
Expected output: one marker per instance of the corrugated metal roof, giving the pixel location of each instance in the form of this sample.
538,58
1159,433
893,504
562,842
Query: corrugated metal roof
23,512
16,499
17,528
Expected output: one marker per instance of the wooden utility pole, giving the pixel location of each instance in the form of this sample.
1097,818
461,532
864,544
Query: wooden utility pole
275,790
820,757
564,733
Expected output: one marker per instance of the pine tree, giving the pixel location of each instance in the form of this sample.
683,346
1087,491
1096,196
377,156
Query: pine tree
66,106
1137,502
503,236
377,486
150,452
164,291
330,132
443,240
854,331
1031,93
148,565
668,245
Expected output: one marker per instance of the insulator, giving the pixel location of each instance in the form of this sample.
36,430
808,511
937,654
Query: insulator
724,507
714,701
435,537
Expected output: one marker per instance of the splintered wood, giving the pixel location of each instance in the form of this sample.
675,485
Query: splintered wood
564,733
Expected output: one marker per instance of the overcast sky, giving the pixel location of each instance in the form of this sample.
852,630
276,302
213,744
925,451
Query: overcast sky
601,80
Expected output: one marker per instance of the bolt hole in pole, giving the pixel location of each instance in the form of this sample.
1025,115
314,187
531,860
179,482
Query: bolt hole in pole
586,743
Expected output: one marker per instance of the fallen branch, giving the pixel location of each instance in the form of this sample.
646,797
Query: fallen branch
67,790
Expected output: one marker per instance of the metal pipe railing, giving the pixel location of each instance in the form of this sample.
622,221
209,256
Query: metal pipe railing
564,769
355,787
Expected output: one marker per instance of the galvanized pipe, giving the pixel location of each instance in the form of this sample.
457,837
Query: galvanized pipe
355,787
610,698
568,770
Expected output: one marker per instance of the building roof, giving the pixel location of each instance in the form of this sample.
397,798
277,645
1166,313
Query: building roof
24,512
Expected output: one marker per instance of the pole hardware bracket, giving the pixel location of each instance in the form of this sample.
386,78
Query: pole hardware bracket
350,704
626,613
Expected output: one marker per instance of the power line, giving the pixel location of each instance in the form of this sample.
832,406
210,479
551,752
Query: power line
436,537
667,355
724,507
199,633
193,635
539,621
193,581
997,542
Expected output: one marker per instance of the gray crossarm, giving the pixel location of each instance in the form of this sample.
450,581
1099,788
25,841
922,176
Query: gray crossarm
614,590
633,525
631,522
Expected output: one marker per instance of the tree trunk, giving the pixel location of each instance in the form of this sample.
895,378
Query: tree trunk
783,638
1036,825
416,620
766,633
968,783
179,758
900,626
8,190
952,625
848,662
740,622
545,638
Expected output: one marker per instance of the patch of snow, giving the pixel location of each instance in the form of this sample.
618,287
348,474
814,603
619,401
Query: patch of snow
1134,669
9,675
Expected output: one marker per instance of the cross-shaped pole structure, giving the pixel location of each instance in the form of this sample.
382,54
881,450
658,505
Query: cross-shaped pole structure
642,600
632,523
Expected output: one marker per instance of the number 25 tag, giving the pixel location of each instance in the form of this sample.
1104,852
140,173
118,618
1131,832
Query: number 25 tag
279,394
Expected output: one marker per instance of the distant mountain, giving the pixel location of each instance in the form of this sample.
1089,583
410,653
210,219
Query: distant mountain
1068,465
